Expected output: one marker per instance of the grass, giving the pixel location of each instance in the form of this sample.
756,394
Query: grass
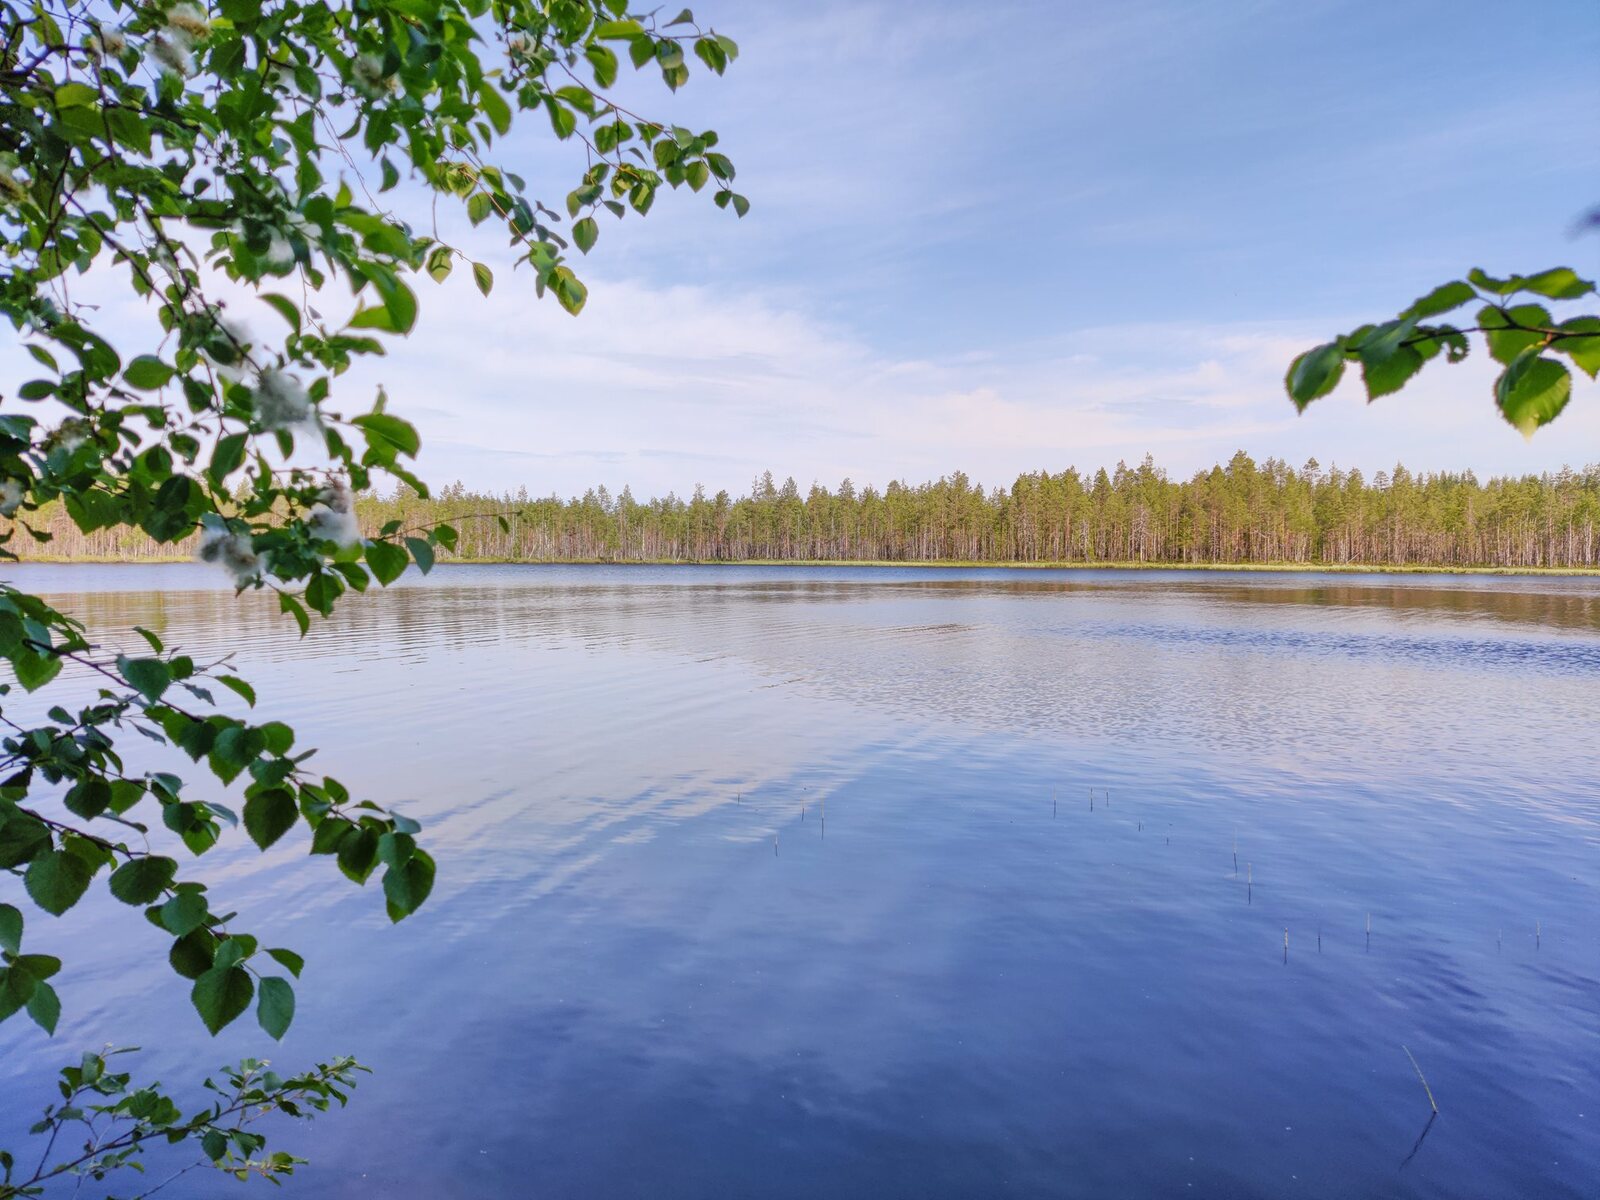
965,564
1253,567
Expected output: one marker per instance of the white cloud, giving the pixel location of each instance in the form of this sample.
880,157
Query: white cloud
661,388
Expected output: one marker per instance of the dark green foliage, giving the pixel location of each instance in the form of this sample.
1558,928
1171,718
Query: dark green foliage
187,151
1524,337
104,1122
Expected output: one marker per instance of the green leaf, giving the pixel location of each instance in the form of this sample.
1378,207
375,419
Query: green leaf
603,61
34,670
143,880
1558,283
75,95
1532,391
147,372
227,458
358,853
373,317
234,950
483,277
57,880
562,119
1315,373
40,966
279,737
22,839
288,959
495,108
1487,283
406,887
10,929
569,289
1584,351
239,687
384,427
288,604
88,798
44,1006
1442,299
235,748
285,308
191,955
618,30
1505,343
388,561
275,1009
1387,363
396,849
329,834
400,300
440,263
584,233
269,814
220,995
185,912
148,676
422,552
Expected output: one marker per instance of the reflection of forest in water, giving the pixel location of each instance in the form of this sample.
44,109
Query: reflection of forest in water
1220,661
1556,604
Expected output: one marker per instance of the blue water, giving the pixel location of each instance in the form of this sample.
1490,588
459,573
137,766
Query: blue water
786,882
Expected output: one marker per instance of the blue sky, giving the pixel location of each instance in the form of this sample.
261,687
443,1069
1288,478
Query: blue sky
1016,236
1011,236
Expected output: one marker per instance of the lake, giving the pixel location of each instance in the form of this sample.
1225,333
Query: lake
860,882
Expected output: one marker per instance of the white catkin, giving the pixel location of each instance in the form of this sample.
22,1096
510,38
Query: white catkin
235,337
280,254
338,496
171,50
189,20
69,435
232,552
330,525
105,43
11,496
333,516
281,401
294,221
369,77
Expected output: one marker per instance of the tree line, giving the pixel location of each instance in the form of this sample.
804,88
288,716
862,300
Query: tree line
1241,512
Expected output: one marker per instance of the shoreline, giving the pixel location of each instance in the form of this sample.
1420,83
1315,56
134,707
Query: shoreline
1250,568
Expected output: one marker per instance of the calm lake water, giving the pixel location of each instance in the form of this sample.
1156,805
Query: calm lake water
786,882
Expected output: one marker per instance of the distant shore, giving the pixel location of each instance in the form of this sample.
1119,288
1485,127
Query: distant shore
1273,568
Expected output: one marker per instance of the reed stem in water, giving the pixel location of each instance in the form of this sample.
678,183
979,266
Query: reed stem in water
1422,1077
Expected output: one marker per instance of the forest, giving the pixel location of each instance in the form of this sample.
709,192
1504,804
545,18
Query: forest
1243,512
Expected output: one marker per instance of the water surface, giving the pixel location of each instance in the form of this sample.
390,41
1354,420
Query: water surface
876,882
